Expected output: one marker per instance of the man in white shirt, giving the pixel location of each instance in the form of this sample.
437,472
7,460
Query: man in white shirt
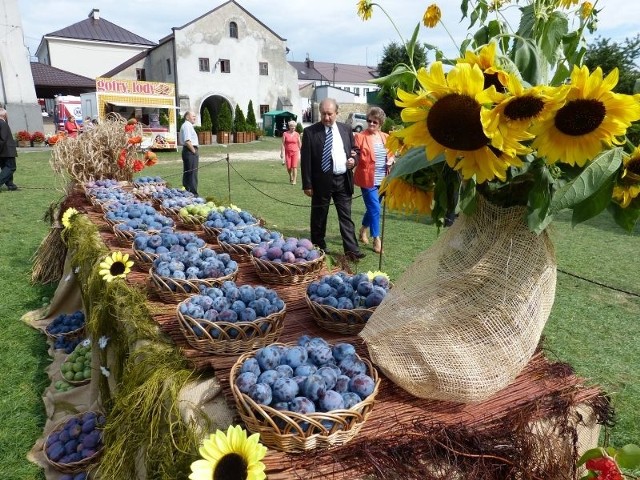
327,167
190,157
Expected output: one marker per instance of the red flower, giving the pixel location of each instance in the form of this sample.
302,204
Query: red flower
150,158
607,468
132,121
137,165
129,127
135,140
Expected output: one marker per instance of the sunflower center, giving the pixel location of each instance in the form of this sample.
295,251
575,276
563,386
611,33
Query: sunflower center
454,122
493,79
231,467
524,108
117,268
580,117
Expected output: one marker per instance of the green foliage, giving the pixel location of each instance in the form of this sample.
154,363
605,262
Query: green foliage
239,123
388,125
205,120
224,118
299,127
252,125
393,66
164,118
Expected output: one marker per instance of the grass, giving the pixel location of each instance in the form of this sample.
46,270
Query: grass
592,327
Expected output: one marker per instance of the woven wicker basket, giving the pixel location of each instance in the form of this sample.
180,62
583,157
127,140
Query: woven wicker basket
240,251
74,467
192,222
339,320
148,184
287,273
144,259
173,289
73,382
225,338
78,332
293,432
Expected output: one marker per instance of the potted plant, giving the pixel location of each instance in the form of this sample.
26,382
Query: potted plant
239,126
204,133
224,123
24,138
37,139
252,125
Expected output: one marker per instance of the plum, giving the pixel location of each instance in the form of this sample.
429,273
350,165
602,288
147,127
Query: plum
319,355
329,376
314,387
245,381
342,384
331,400
268,357
251,365
362,384
260,393
351,365
351,399
302,405
295,356
284,389
341,350
285,371
305,370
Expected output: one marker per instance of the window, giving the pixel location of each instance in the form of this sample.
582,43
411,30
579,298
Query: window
203,64
233,30
225,66
141,74
348,89
356,90
264,68
168,66
264,109
365,91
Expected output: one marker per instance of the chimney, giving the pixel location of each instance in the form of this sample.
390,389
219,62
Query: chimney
95,14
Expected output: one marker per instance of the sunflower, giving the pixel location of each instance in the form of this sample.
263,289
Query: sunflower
508,122
592,116
405,197
585,10
68,215
452,125
375,274
628,186
230,456
486,60
432,16
567,3
365,8
115,265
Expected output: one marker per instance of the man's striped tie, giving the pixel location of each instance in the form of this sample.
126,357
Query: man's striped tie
326,152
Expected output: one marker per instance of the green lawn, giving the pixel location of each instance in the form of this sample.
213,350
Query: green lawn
592,327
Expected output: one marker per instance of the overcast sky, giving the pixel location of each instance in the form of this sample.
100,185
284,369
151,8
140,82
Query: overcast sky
327,31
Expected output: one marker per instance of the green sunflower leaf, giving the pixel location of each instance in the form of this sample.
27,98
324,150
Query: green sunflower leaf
597,452
468,200
412,161
624,217
595,204
411,45
629,456
589,182
527,59
555,28
539,201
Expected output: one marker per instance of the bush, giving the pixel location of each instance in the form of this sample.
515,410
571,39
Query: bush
388,125
299,128
205,121
224,118
239,123
23,136
37,137
252,125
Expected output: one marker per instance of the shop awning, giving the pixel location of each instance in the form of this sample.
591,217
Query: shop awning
140,104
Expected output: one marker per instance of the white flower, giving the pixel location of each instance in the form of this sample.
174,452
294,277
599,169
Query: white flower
76,270
105,371
68,277
86,342
102,342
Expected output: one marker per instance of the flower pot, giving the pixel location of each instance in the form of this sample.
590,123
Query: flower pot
204,138
465,318
239,137
223,137
24,143
38,144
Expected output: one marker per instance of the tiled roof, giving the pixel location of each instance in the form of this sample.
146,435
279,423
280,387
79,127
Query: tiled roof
48,76
330,72
100,30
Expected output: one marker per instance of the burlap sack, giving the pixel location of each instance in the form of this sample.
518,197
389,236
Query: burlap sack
466,316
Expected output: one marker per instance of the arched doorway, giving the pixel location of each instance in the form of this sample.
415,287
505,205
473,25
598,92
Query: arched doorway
213,103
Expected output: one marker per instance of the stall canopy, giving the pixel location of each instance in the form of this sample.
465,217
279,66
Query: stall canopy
275,122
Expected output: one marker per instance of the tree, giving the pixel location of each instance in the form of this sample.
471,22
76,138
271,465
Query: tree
252,125
205,121
608,55
224,118
239,123
393,55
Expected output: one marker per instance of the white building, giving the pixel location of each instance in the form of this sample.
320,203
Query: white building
17,92
224,55
90,47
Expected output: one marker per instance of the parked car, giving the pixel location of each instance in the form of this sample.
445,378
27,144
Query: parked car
357,121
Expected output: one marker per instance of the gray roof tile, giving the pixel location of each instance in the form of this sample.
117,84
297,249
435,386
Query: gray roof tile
100,30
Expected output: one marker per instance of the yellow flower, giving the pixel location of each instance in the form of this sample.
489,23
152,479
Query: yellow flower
405,197
452,125
628,186
486,60
230,456
68,215
592,116
432,16
375,274
508,122
567,3
115,265
365,8
585,10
